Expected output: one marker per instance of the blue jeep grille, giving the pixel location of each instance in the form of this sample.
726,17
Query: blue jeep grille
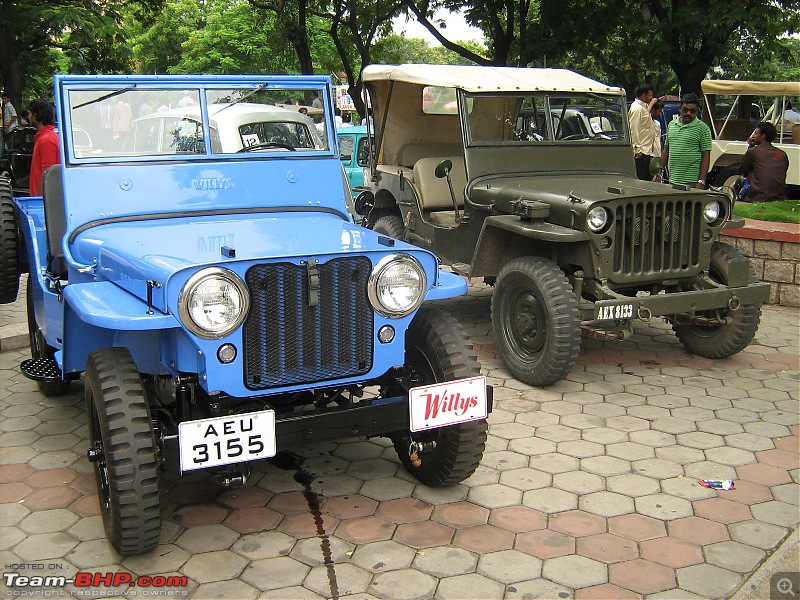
289,342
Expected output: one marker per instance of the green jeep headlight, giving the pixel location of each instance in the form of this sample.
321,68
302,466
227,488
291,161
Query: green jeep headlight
711,211
597,219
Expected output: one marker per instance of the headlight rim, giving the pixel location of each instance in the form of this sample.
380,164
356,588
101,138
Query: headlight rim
379,269
606,224
191,285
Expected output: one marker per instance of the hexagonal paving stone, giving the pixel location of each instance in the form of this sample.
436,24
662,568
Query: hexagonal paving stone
545,544
641,576
471,585
734,556
48,521
673,425
580,448
349,579
304,525
720,427
423,534
383,556
168,558
631,484
504,460
214,566
483,539
537,588
509,566
227,589
763,474
664,506
554,463
577,523
441,495
275,573
45,545
607,548
698,530
605,466
314,553
757,533
404,510
550,500
657,468
518,519
525,479
460,514
709,581
630,451
605,435
532,446
777,513
207,538
578,482
575,571
700,440
721,510
349,507
386,488
707,469
686,487
363,530
671,552
606,504
731,456
445,561
267,544
788,493
636,527
495,495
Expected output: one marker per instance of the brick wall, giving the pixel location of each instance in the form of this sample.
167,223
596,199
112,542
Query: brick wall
774,251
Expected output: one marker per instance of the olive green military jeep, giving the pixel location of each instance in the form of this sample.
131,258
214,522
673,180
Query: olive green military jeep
526,177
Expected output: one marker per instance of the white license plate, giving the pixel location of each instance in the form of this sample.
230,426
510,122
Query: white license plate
620,311
226,440
447,403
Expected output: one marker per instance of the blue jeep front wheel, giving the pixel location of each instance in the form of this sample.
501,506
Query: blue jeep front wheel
123,450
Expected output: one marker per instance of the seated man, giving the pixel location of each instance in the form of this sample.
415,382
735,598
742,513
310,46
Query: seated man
765,166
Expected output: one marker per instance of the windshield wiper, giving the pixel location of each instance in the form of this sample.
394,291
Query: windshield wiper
105,96
242,99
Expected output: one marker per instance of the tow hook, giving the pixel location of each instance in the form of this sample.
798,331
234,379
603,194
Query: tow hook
416,448
231,479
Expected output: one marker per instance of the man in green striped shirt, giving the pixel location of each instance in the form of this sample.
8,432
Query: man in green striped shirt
687,149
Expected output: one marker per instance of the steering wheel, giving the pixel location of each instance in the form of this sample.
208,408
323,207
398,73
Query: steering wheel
263,145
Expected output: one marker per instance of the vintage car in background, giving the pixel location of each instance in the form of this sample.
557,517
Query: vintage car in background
526,177
16,153
739,106
354,152
209,282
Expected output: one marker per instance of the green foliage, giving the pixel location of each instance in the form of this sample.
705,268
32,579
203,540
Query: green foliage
782,211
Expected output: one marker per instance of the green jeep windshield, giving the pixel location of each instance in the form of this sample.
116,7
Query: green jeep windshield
143,121
526,119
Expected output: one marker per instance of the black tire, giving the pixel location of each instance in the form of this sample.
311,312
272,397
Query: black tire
125,452
725,340
536,320
40,349
437,349
391,225
727,177
9,257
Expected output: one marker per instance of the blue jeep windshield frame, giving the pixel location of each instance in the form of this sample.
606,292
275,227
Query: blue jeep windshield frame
130,118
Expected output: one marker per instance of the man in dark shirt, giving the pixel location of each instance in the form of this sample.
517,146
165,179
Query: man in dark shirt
765,165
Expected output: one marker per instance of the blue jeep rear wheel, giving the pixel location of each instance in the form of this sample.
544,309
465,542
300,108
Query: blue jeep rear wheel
123,450
9,259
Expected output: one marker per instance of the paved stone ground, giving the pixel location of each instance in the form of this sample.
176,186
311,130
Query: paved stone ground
588,489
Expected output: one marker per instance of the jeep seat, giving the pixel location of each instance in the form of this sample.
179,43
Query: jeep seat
434,194
55,219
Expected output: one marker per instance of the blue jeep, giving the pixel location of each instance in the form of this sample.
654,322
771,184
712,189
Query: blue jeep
354,151
200,266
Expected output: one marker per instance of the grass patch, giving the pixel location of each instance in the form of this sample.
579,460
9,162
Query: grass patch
782,211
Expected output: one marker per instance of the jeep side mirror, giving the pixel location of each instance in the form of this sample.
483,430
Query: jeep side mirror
443,168
364,202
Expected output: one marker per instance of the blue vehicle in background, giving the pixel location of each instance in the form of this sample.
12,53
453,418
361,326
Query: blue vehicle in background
208,281
354,152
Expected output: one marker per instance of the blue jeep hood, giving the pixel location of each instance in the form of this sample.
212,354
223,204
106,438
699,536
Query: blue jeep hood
129,254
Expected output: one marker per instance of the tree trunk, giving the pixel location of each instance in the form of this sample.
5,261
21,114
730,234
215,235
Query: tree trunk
9,56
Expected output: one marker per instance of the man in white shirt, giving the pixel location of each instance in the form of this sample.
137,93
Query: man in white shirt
643,131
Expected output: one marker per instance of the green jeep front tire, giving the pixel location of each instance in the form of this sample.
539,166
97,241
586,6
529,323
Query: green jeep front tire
724,340
536,320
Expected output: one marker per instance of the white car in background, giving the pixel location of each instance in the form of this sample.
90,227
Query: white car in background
241,127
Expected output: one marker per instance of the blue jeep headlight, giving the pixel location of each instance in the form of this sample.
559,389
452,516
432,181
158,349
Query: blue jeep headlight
213,302
397,286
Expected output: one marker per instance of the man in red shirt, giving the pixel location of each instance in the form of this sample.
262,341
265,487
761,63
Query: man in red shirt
46,145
